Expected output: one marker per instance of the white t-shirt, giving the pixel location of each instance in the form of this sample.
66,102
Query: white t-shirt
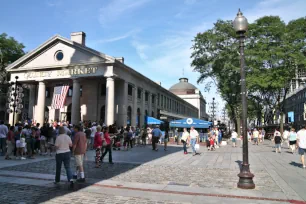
234,135
193,134
62,142
286,134
301,136
93,131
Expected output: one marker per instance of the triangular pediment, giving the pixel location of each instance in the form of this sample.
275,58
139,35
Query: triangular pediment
45,55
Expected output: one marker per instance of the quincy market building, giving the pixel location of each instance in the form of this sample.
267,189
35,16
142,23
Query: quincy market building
102,88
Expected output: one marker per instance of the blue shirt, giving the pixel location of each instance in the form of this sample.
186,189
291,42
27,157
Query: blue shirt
156,132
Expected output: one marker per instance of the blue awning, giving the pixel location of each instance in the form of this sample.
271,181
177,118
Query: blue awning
188,122
153,121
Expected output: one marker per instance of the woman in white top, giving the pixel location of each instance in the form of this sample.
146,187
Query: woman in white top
62,144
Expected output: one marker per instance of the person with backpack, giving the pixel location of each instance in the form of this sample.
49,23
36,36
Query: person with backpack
278,140
144,134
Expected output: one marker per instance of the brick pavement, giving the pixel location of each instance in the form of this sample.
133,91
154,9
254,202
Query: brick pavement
274,173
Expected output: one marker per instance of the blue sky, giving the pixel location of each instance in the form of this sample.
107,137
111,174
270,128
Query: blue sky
154,36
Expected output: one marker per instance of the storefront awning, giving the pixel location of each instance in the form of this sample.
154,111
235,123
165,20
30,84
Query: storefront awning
153,121
188,122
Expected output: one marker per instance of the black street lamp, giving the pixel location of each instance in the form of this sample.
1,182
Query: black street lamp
245,176
15,96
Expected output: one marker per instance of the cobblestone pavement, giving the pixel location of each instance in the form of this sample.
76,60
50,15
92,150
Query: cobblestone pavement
210,170
28,194
163,174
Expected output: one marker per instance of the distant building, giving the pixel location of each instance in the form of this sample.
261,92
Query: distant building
192,95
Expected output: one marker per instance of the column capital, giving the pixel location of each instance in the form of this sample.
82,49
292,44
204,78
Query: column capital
110,78
76,80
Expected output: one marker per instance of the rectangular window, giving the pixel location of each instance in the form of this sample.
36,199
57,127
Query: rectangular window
162,101
48,92
138,93
153,99
81,91
147,96
170,104
165,102
103,90
158,96
130,90
70,92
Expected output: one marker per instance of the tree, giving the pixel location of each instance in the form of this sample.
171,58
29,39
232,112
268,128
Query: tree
10,50
215,57
273,50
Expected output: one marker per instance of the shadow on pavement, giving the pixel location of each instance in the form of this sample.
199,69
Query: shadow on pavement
296,164
141,155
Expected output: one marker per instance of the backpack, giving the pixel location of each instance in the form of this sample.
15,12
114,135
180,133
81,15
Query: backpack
88,133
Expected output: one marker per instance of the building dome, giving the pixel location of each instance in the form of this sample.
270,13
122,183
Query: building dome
183,87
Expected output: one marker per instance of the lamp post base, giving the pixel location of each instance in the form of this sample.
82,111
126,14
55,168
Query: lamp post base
245,178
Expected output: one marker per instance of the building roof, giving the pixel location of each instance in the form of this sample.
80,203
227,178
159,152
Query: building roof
183,87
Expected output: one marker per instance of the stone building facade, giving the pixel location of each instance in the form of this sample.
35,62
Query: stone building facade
102,88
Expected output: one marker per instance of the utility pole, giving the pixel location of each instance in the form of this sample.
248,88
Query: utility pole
213,110
224,115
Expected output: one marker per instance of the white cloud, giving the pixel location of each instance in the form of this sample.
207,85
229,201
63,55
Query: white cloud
286,9
114,10
165,60
124,36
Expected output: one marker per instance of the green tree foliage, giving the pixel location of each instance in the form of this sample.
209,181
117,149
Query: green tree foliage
273,52
10,50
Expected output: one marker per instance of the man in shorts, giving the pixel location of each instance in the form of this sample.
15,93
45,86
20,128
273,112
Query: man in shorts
301,143
79,149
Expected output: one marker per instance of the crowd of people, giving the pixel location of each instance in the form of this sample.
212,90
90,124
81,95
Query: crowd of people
292,139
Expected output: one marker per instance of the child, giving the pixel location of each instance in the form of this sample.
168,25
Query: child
212,143
278,140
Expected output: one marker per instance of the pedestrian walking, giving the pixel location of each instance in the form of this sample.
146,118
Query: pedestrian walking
144,136
88,135
156,134
301,143
292,140
285,137
20,143
185,139
79,149
92,135
149,131
234,138
193,139
3,135
98,145
108,147
166,139
62,144
278,140
10,142
255,136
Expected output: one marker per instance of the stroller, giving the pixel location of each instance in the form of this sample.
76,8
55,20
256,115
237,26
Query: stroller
117,142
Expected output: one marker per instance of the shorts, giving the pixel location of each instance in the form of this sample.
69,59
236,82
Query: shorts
292,142
255,139
302,151
20,144
277,146
234,140
79,159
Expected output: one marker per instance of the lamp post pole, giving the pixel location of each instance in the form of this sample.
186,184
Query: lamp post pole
14,104
245,176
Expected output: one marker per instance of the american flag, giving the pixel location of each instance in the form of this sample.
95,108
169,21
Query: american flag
59,96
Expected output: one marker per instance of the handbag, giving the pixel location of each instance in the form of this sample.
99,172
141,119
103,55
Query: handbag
104,144
197,146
